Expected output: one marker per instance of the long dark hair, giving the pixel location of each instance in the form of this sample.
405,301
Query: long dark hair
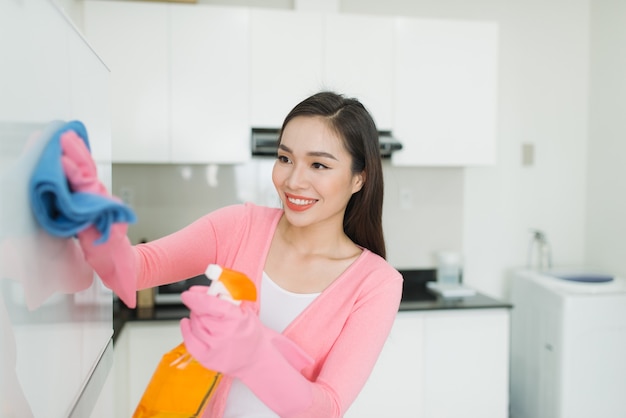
362,221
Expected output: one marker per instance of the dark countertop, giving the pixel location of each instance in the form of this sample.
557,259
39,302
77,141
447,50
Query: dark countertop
478,301
415,297
122,314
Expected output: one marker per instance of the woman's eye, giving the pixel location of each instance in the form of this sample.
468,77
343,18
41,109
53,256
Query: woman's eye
319,166
283,159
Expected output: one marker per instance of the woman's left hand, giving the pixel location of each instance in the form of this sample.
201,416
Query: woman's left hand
229,338
219,334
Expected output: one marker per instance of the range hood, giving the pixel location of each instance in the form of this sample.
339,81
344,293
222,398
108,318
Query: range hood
264,142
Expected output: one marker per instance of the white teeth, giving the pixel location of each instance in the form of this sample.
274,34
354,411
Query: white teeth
301,202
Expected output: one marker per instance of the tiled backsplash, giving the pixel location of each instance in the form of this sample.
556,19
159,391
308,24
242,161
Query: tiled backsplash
423,209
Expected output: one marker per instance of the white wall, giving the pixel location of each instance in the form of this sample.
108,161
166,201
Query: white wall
606,227
166,197
543,100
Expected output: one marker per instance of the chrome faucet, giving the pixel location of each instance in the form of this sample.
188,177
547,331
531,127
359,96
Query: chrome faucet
543,251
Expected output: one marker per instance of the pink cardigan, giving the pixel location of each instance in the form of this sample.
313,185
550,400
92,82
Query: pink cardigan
343,330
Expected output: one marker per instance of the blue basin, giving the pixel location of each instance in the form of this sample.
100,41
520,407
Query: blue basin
583,277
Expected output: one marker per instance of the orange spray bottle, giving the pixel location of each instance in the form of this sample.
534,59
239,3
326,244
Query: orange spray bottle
180,386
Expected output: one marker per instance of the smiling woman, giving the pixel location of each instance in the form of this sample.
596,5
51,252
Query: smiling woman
345,126
327,297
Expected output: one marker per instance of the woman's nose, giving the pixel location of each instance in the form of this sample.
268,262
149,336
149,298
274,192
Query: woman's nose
297,177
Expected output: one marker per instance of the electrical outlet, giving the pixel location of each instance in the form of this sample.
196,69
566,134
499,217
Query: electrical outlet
127,194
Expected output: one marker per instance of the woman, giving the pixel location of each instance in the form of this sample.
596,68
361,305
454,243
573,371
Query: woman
327,296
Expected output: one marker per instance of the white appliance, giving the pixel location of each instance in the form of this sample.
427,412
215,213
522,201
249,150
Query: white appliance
568,347
56,322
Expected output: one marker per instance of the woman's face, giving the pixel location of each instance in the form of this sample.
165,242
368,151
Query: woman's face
312,173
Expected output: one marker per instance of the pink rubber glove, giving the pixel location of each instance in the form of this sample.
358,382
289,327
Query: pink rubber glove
113,260
78,166
231,339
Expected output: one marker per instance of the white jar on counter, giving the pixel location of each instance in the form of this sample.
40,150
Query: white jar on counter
448,267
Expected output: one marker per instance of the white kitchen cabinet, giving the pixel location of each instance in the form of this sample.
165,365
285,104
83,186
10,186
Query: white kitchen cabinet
445,92
358,61
89,78
435,363
442,363
137,352
189,81
395,387
296,54
55,320
180,80
132,39
209,84
32,65
567,345
285,62
466,363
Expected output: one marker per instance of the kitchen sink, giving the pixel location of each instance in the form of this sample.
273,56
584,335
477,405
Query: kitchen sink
583,277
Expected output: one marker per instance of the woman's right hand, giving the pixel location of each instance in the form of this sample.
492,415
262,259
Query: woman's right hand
78,165
114,259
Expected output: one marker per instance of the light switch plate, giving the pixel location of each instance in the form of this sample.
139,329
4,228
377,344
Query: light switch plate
528,154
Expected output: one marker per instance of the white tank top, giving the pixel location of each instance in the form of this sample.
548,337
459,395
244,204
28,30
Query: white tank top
278,308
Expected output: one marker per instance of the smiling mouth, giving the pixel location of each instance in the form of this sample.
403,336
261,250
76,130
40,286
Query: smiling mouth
299,203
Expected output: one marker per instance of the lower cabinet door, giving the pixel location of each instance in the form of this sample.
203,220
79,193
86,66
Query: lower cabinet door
138,351
441,363
395,386
466,363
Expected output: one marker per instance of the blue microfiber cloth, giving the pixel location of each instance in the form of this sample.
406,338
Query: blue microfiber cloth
61,212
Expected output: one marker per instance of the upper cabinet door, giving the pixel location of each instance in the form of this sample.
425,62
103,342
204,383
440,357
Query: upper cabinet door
210,84
33,65
132,39
285,68
89,79
358,62
445,92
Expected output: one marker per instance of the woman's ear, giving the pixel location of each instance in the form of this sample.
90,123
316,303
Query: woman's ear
358,181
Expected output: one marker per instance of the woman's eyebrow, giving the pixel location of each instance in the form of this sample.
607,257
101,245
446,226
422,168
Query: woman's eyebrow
323,154
285,148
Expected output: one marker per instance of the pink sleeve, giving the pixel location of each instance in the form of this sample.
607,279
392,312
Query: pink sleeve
187,252
353,356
